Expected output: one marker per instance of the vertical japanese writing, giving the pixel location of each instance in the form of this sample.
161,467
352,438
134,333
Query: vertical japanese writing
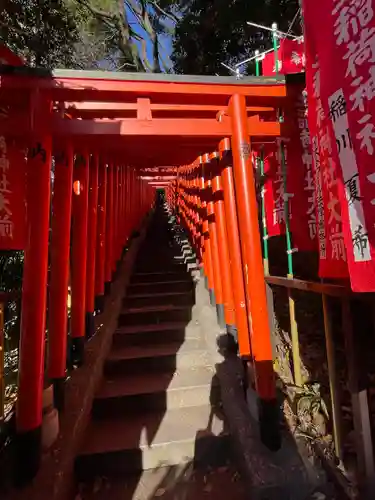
319,199
334,221
351,20
339,117
6,223
327,171
309,183
317,164
278,187
281,197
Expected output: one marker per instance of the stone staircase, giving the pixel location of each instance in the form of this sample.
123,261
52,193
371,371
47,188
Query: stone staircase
156,425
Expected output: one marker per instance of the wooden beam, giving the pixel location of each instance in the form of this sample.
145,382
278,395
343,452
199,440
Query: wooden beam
91,86
161,127
129,106
309,286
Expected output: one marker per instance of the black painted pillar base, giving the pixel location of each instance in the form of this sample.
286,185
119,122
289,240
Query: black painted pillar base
107,287
212,297
59,394
90,325
99,303
269,423
245,380
220,315
77,351
28,453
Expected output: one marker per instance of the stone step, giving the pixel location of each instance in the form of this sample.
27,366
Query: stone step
125,445
162,268
154,314
155,256
146,392
157,358
157,277
161,286
175,299
162,333
176,482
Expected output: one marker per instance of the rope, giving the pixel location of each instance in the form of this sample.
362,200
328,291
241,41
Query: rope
294,20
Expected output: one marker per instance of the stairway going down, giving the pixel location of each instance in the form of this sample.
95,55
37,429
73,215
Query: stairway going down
156,427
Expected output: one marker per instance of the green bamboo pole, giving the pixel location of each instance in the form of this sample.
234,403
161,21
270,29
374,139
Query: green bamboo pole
257,68
264,220
286,210
275,47
292,308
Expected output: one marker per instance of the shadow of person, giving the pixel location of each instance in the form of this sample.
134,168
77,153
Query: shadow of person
212,443
287,468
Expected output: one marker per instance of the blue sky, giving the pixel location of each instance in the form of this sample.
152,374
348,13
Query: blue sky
166,41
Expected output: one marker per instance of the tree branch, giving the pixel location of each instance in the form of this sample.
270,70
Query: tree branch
13,28
170,15
95,10
156,66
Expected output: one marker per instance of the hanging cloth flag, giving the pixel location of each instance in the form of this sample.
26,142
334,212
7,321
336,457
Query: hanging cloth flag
300,191
273,192
340,49
291,58
292,55
300,179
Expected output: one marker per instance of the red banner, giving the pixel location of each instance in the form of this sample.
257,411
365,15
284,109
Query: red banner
332,252
340,51
300,181
273,192
291,59
300,191
12,196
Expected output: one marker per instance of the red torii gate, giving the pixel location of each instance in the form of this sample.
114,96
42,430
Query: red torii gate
105,131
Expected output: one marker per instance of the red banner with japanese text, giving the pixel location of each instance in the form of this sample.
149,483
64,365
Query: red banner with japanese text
340,45
332,252
291,59
12,195
299,190
273,190
300,180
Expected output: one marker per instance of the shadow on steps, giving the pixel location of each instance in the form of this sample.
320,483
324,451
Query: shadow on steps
157,429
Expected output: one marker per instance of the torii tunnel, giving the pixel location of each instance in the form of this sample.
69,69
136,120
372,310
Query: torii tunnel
115,139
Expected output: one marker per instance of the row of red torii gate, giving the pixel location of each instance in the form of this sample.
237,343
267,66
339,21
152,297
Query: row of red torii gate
98,134
107,137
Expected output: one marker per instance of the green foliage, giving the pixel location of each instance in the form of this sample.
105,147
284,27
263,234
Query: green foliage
86,34
11,269
309,400
215,32
310,408
42,31
124,28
